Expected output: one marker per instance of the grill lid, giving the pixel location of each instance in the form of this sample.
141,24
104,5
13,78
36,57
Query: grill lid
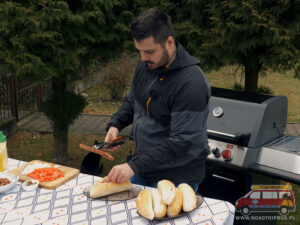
246,119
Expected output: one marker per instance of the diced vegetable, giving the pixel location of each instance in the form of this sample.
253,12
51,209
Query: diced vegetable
46,174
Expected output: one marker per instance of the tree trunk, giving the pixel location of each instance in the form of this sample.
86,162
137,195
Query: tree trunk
60,133
60,145
252,69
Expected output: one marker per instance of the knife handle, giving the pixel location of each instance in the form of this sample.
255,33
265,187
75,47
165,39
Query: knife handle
97,151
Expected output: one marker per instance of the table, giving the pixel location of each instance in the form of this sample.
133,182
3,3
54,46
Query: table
68,205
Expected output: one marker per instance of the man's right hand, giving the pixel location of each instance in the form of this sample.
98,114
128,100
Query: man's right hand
112,134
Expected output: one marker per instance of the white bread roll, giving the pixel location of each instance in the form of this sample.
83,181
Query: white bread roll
102,188
189,197
144,204
167,191
159,208
176,206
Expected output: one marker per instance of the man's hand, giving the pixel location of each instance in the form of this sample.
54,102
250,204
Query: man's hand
120,173
112,134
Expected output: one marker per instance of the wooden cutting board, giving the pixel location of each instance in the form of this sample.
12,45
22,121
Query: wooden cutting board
69,173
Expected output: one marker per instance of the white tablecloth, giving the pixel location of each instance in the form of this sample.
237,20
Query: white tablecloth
68,205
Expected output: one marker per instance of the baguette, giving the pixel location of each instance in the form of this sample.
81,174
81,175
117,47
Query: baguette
102,188
176,206
189,197
159,208
167,191
144,204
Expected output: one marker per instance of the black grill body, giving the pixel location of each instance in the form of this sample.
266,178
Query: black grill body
240,123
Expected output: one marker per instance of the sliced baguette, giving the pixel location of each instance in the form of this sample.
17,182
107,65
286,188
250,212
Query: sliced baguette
159,208
144,204
101,188
189,197
176,206
167,191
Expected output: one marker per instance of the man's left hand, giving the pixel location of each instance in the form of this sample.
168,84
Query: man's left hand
120,173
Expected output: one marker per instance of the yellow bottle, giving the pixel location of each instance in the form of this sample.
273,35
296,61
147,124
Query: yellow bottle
1,164
3,152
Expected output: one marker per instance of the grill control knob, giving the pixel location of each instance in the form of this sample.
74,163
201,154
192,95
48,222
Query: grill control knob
226,154
216,152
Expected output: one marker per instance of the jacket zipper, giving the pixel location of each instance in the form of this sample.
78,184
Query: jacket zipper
148,105
149,99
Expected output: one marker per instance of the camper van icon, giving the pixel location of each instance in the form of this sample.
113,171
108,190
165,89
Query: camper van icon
267,198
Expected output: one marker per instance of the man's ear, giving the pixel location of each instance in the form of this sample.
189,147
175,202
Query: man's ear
170,41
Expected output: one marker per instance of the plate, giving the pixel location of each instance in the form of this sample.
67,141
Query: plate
13,180
124,195
182,213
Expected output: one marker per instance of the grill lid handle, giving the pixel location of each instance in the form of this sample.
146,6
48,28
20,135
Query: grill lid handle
238,138
221,134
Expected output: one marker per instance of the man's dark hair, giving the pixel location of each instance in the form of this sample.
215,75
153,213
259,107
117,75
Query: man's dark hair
152,22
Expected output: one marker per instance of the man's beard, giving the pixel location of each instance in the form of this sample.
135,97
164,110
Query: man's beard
164,60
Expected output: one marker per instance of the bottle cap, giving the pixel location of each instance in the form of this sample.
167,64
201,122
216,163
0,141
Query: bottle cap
2,137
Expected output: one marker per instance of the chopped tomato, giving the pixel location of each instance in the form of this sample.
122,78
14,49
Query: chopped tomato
46,174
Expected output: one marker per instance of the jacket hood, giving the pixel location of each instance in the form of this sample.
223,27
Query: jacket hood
182,59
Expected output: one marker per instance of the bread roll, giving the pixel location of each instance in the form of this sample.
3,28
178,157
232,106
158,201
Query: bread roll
102,188
159,208
144,204
167,191
189,197
176,206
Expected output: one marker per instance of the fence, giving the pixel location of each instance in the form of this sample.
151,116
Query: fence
20,98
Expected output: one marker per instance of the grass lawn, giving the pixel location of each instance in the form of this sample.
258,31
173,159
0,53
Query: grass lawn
99,103
28,146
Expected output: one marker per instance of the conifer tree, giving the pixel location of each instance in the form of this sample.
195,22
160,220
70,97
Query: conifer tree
259,35
42,38
256,34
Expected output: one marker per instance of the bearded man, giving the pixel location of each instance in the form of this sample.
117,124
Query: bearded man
168,106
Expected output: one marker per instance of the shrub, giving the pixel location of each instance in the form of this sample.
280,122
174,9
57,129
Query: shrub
117,76
238,87
261,89
264,89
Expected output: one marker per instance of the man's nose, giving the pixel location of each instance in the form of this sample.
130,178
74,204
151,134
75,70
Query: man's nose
144,57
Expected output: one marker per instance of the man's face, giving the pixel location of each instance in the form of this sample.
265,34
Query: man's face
153,54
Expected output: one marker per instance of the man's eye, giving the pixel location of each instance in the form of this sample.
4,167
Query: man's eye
149,52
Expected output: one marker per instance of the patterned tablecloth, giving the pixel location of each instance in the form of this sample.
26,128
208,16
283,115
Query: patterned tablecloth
68,205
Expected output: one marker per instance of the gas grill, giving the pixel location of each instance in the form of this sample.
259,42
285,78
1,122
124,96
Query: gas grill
247,144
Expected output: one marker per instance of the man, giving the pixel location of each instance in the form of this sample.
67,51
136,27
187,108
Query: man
168,106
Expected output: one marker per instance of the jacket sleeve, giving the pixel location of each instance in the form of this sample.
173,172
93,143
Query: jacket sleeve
188,121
